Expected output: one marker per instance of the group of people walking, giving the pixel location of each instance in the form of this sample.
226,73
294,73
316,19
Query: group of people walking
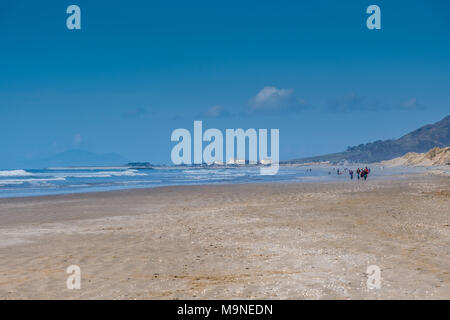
360,173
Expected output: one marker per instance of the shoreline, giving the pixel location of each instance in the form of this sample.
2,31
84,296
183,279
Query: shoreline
200,185
313,179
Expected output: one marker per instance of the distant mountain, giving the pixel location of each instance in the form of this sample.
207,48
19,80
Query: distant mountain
82,158
420,140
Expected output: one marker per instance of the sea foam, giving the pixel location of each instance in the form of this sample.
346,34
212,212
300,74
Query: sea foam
15,173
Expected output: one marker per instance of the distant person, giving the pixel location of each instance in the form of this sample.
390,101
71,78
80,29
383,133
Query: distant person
351,174
358,173
365,172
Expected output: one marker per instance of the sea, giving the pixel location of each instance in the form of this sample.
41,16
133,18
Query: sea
53,181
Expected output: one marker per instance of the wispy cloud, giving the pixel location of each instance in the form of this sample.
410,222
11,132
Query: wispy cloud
411,104
271,100
216,111
353,102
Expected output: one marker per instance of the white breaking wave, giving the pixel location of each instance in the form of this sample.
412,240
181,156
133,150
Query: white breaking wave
15,173
10,182
32,181
87,168
99,174
105,174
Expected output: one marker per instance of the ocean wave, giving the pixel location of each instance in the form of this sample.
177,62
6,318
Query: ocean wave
32,181
220,172
130,173
106,174
94,174
9,182
86,168
15,173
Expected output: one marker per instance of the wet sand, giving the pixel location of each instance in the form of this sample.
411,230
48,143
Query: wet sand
265,241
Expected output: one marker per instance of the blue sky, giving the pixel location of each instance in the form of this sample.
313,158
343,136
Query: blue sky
137,70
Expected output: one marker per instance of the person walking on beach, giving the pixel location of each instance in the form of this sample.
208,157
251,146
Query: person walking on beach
358,173
365,172
351,174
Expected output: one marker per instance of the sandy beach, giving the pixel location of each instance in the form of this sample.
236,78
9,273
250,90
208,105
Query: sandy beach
264,241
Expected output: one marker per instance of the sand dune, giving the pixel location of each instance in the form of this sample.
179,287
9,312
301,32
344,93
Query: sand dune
434,157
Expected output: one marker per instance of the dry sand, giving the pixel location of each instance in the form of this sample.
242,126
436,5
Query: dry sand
296,241
434,157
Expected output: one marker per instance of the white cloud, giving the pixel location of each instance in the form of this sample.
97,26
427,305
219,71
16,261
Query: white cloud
272,94
216,111
274,100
